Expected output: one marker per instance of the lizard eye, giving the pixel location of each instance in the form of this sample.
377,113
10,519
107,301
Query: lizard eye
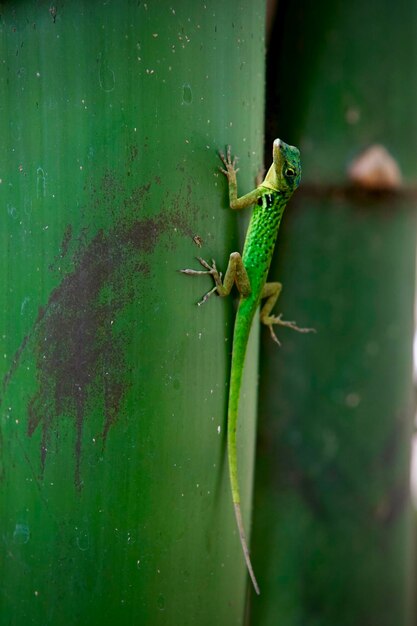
290,171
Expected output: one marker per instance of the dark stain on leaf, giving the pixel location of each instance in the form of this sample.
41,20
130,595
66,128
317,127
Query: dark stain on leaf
80,351
66,240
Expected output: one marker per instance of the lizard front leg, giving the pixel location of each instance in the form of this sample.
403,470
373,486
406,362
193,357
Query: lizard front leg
230,170
235,273
271,292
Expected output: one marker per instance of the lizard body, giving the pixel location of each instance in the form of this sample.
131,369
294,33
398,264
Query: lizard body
249,272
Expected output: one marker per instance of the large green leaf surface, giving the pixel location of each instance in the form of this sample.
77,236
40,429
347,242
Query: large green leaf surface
114,496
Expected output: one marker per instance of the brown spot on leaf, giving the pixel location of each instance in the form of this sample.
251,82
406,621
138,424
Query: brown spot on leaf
133,153
80,354
80,350
66,240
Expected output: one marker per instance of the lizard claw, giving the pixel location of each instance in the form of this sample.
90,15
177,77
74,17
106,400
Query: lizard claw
207,296
277,319
208,269
273,335
230,165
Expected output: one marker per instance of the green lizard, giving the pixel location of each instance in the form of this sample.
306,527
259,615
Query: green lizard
249,272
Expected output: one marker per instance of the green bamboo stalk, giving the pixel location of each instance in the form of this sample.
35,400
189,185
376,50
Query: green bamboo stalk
114,496
332,524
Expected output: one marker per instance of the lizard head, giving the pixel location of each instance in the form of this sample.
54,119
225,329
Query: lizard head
287,166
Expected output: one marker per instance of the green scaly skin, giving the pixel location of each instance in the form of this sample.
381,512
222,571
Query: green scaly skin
249,273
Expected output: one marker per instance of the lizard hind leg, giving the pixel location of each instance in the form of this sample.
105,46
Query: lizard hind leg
271,292
235,273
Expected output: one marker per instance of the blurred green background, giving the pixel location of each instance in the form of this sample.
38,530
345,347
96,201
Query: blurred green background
114,495
333,531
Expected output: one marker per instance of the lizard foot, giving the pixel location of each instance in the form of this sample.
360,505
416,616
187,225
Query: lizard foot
277,319
229,163
209,269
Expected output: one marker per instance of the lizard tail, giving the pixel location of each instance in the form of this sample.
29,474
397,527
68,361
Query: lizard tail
244,543
239,349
